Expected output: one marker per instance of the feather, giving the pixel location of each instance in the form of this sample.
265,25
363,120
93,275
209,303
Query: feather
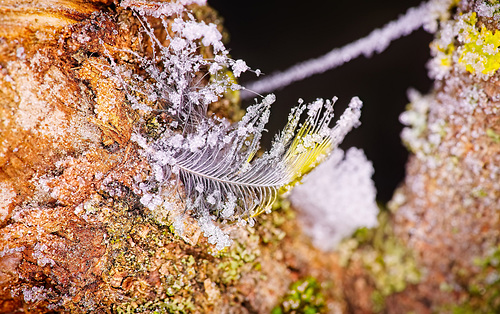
216,161
219,170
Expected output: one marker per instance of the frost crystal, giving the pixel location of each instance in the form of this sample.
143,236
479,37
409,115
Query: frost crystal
35,294
337,198
174,72
488,9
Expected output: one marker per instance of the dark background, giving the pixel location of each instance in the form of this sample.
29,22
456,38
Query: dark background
274,35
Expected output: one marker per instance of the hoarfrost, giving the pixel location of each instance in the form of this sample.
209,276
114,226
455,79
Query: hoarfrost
7,197
7,251
337,198
488,9
213,233
239,67
35,294
20,53
39,254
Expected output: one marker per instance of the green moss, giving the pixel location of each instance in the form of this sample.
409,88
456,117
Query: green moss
157,306
303,296
235,262
388,262
149,269
493,135
484,289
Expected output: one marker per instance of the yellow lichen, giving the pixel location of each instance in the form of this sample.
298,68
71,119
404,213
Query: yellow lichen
480,50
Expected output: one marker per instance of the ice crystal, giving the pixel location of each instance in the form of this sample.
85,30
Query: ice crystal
488,8
35,294
337,198
174,71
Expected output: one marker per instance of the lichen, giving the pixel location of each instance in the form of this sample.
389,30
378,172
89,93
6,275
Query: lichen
303,296
390,265
479,52
465,44
483,289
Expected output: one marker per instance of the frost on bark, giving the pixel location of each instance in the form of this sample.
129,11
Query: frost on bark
75,237
448,208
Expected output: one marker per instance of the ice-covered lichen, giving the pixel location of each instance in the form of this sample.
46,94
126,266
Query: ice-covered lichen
466,44
479,52
488,9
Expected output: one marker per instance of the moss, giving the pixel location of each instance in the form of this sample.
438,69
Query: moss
303,296
484,289
235,262
269,225
388,262
157,306
493,135
149,269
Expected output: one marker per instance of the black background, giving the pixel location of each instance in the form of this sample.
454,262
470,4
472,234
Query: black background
274,35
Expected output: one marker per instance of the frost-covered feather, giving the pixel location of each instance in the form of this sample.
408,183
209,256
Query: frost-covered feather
222,177
215,160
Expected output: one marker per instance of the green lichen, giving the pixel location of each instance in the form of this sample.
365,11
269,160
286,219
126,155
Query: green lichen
388,262
479,52
235,262
493,135
269,225
303,296
483,290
